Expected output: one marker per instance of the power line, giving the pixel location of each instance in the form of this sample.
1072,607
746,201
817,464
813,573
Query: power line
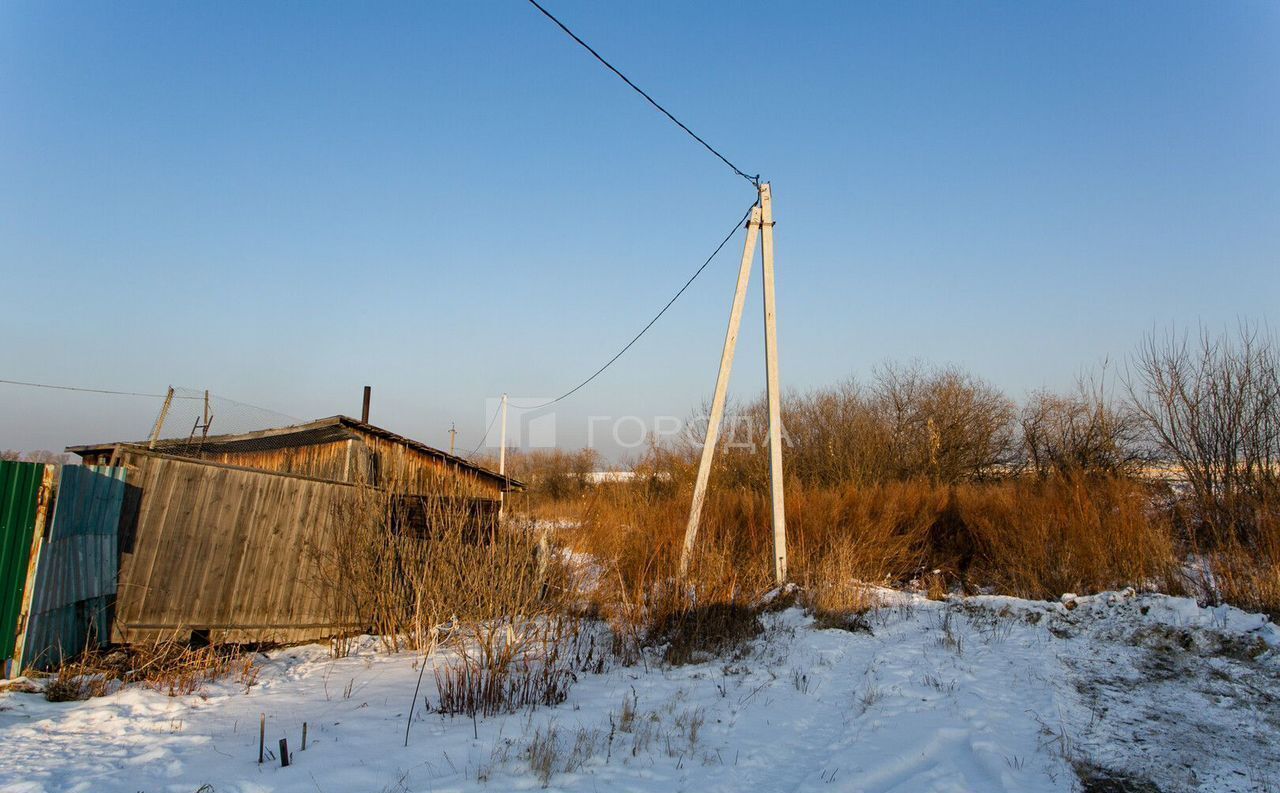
755,180
93,390
656,317
485,437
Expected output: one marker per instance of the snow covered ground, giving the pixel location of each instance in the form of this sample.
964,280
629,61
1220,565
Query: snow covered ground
1135,693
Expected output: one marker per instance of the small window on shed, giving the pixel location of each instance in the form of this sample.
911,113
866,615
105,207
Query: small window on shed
375,468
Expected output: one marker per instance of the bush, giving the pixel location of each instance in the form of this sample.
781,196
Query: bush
1212,406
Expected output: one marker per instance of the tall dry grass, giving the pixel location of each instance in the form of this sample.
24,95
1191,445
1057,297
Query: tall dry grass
403,566
1029,538
169,665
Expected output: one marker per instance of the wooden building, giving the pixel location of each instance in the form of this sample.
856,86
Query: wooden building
218,538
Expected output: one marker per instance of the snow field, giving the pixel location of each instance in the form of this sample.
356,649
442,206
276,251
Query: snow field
978,694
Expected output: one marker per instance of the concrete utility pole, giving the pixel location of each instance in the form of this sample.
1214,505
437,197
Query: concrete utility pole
453,436
777,501
502,460
760,224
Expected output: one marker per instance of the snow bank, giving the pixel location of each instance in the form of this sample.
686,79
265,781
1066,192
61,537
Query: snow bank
975,694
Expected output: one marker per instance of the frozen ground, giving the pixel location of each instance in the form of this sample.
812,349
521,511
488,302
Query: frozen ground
1129,693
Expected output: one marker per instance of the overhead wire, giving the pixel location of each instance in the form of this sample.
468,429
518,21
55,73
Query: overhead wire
93,390
737,225
755,180
497,412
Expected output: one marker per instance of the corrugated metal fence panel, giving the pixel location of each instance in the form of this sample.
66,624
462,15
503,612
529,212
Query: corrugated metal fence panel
76,578
21,503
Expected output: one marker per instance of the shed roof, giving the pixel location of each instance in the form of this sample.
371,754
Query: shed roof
326,430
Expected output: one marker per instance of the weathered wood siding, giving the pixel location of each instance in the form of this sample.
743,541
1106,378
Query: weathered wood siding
406,470
321,460
230,551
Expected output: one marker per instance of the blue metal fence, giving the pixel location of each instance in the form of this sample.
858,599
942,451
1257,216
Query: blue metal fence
75,580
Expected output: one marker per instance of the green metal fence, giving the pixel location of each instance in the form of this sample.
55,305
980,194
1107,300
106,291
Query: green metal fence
25,490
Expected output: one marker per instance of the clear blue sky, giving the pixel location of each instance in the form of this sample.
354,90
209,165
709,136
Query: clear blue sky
283,202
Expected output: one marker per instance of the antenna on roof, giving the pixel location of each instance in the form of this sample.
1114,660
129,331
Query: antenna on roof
202,426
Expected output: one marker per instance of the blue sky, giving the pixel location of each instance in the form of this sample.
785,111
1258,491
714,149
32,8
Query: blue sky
284,202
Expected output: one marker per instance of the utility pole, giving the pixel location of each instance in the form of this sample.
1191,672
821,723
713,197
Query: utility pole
760,224
164,411
502,460
776,499
453,436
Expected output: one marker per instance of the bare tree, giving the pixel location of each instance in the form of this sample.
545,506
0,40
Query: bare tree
945,423
1083,432
1212,406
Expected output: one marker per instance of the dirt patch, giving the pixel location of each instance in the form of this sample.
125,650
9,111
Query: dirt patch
853,623
1095,779
705,632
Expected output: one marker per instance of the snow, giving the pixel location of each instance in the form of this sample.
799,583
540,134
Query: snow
977,694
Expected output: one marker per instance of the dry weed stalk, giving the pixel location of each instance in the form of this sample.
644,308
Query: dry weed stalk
503,667
169,665
403,564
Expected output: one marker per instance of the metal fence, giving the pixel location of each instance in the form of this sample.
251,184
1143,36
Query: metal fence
75,582
25,491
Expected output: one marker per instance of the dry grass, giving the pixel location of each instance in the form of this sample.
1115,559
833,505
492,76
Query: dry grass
504,668
1040,539
1247,575
170,666
404,566
1028,537
928,479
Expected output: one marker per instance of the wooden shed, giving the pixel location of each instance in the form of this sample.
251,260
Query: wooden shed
217,537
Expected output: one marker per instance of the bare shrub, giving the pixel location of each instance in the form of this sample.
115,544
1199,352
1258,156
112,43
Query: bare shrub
1086,432
553,474
37,456
66,686
694,633
406,564
503,668
912,422
944,424
836,436
1212,405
